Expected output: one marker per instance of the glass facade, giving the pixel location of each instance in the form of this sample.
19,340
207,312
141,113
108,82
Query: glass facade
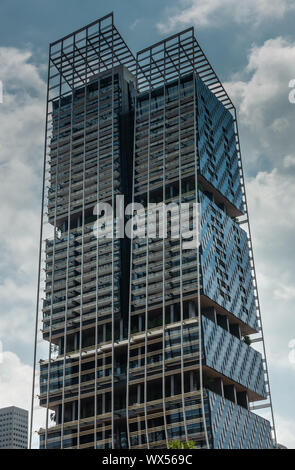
234,427
147,340
225,264
228,355
84,304
217,149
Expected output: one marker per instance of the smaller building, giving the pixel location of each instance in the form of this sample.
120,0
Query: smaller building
13,428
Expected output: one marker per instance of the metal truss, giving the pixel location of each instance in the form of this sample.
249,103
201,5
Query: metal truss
86,52
260,338
179,54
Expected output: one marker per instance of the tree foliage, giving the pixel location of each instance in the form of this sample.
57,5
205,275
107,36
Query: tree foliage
181,445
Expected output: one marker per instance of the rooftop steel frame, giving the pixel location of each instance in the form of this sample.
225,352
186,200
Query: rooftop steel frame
79,56
177,55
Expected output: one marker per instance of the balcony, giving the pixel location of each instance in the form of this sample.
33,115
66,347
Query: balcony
234,427
234,359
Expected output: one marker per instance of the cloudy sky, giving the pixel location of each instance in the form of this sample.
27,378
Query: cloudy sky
252,47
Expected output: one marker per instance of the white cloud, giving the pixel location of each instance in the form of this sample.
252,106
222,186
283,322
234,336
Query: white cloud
285,428
280,124
216,12
12,62
15,381
271,197
272,217
266,116
270,68
285,292
21,157
135,23
289,161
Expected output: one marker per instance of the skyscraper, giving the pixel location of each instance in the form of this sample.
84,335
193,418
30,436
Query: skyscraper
149,341
13,428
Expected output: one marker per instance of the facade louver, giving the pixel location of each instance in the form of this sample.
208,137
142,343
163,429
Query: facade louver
148,341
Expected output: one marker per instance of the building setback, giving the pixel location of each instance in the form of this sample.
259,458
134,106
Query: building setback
13,428
148,341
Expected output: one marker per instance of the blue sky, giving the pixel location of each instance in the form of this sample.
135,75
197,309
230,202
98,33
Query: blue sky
251,45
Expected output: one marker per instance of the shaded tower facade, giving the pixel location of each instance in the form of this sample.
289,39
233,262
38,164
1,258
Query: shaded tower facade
148,341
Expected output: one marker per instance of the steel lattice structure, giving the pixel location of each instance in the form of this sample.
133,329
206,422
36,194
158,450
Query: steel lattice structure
98,94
